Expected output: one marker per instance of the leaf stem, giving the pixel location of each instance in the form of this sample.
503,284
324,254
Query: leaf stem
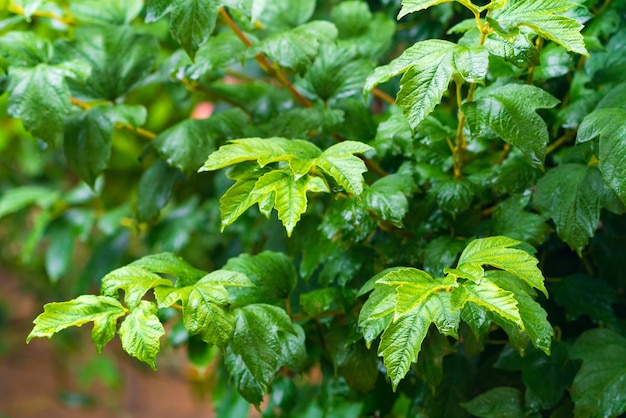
383,96
265,64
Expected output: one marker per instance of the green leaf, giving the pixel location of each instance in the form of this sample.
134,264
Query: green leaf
599,388
453,196
543,17
103,311
168,263
288,194
582,295
40,96
441,253
114,12
388,197
23,49
140,333
610,125
264,151
295,49
119,59
29,6
569,195
19,198
191,21
502,402
497,252
412,6
221,50
185,145
134,281
205,305
510,112
155,190
272,273
88,137
419,300
428,68
519,51
339,162
61,236
269,330
491,297
510,219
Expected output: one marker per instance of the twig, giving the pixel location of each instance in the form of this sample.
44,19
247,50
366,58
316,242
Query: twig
567,136
69,21
383,96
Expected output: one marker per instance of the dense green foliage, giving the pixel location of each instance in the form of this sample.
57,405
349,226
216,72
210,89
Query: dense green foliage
441,184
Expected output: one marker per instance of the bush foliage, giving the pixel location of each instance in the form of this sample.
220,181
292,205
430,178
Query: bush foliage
441,184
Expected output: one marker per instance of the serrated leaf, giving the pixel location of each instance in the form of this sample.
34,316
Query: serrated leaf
510,111
491,297
339,162
264,151
267,329
19,198
168,263
273,275
428,67
582,295
502,402
510,219
218,52
23,49
191,21
296,48
185,144
114,12
119,58
610,125
569,194
388,197
412,6
497,252
289,195
543,17
103,311
140,333
418,301
599,388
88,136
40,96
205,305
134,281
519,51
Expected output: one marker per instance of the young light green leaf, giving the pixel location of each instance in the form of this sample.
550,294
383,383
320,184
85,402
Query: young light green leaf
134,281
88,135
296,48
418,301
497,252
140,333
412,6
339,162
569,194
543,17
510,112
289,194
103,311
599,388
264,151
491,297
168,263
610,125
40,96
205,305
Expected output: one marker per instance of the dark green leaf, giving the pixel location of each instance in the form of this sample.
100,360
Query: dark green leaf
119,58
599,388
23,49
388,197
102,310
510,112
502,402
140,333
61,245
185,145
273,275
569,194
155,190
453,196
88,137
441,253
582,295
510,219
